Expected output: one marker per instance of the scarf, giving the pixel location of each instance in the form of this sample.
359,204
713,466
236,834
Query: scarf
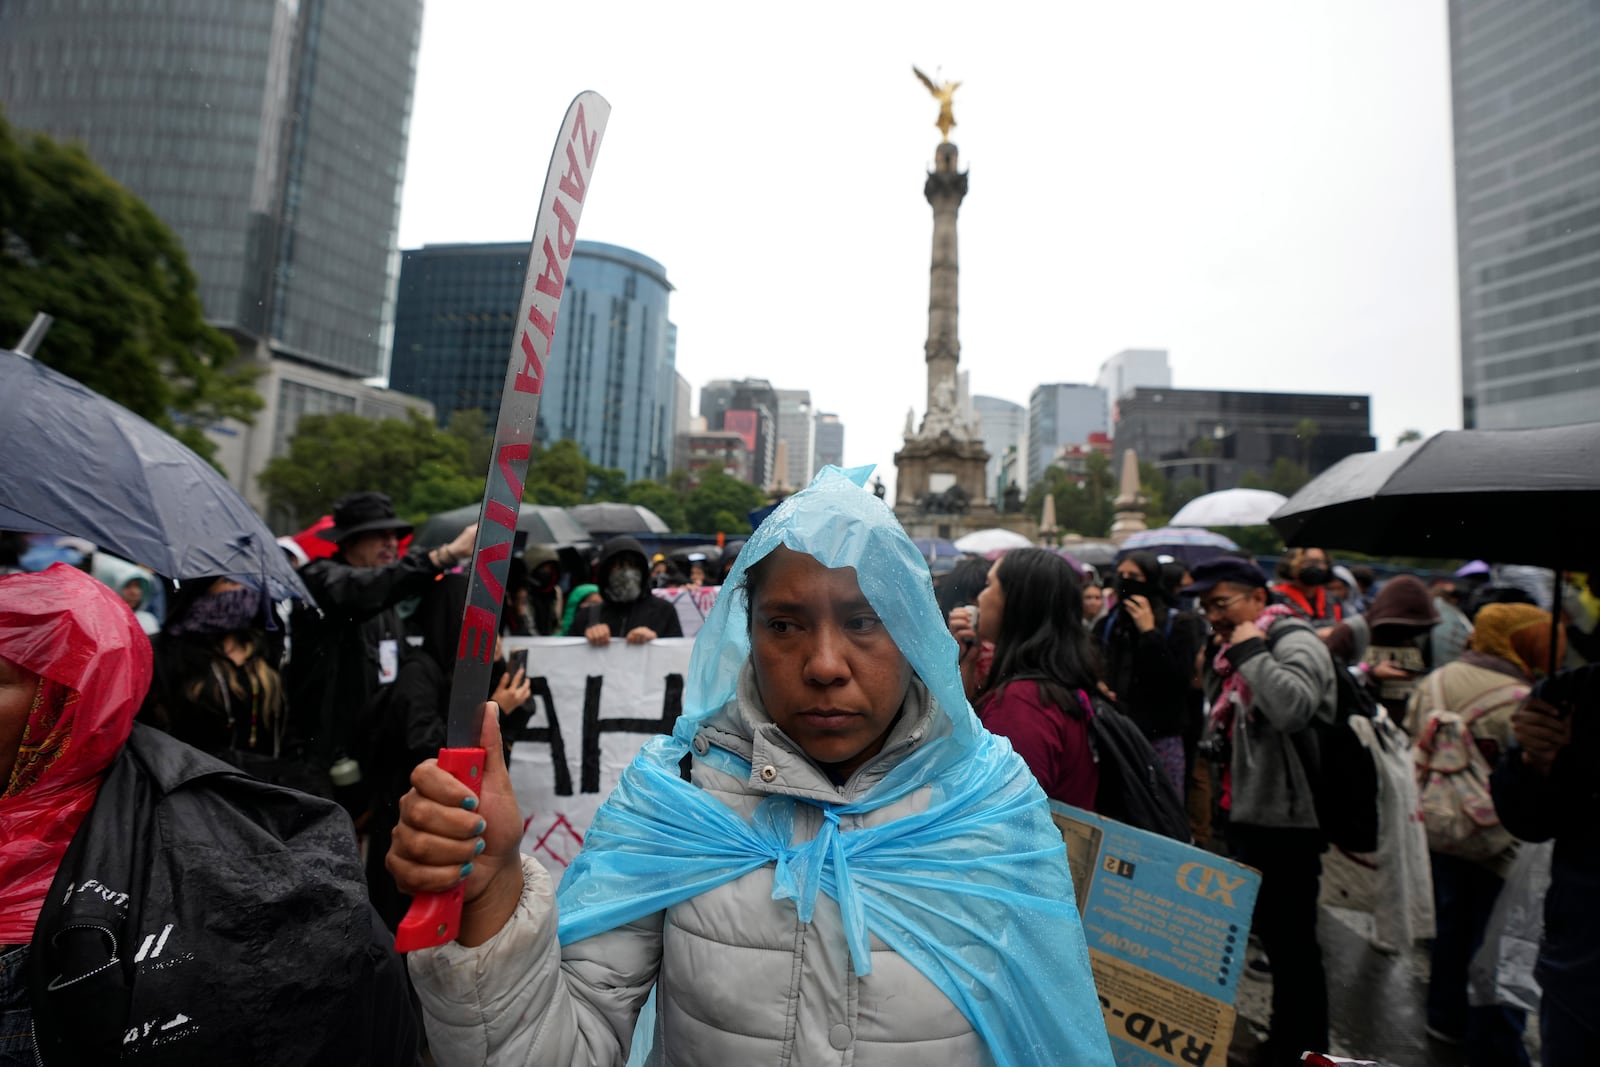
974,891
1235,693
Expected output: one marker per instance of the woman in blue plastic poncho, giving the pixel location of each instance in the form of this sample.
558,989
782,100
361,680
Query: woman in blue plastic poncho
857,872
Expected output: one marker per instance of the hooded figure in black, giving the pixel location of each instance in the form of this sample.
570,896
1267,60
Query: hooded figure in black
627,609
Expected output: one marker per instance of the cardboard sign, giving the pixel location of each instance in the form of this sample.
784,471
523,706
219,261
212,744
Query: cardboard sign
591,710
1166,925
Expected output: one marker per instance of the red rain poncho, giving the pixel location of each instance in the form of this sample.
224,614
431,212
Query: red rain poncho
93,660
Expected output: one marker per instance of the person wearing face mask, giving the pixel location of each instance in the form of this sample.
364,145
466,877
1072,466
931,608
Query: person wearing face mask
1149,650
544,589
627,609
1306,572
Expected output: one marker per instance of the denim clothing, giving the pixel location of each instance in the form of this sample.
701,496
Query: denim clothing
16,1015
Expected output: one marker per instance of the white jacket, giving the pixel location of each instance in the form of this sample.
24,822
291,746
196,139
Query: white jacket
740,980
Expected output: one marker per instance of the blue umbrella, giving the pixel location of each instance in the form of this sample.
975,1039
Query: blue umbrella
933,548
1191,544
80,465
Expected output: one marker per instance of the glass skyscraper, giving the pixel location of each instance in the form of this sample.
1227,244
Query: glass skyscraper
611,381
269,134
1526,108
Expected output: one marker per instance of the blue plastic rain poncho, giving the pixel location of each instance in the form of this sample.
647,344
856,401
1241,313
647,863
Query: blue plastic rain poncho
974,891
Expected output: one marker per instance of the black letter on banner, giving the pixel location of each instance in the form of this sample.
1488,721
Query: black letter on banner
594,725
1167,1038
1195,1054
519,730
1138,1025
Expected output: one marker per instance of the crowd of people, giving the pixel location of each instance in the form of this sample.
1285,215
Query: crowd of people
750,878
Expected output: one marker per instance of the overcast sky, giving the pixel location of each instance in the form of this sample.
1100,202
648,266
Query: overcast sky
1264,189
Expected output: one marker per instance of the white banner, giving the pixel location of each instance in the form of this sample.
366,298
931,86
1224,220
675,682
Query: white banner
591,710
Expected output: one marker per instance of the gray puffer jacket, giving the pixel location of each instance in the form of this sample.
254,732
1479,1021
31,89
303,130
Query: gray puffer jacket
739,979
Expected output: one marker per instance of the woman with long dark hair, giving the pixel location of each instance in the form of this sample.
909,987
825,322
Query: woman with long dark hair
1037,694
1149,649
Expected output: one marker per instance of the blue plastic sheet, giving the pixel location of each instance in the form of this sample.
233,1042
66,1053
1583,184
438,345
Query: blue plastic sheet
974,891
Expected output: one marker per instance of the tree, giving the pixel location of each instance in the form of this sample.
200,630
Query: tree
422,469
1306,431
719,502
1408,437
78,246
667,504
1286,477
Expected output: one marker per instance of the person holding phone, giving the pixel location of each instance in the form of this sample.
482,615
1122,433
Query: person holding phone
1544,789
1390,645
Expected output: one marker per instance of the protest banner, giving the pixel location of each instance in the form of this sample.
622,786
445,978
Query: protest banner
591,710
1166,925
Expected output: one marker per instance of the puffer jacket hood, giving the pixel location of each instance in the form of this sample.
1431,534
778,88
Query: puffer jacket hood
1403,601
66,627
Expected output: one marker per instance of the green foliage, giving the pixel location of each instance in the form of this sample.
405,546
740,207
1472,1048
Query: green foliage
1186,490
1408,437
1084,504
720,503
1256,540
422,468
667,504
80,247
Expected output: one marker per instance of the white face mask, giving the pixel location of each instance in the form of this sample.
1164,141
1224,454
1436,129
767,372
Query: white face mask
624,584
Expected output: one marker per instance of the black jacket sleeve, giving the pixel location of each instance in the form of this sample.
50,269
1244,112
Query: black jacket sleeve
1536,807
358,593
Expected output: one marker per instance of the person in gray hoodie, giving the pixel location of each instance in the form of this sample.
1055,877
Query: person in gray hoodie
1271,677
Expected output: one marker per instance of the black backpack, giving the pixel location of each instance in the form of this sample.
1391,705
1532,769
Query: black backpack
1342,773
1133,787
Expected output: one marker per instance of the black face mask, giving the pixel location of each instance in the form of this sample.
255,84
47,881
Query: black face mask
1311,574
1132,587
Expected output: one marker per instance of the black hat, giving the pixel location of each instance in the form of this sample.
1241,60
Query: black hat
1213,572
359,513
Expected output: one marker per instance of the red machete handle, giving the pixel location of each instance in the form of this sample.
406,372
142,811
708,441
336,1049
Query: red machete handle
435,918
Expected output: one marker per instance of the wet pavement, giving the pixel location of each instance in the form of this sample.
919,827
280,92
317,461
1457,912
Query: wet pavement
1375,1000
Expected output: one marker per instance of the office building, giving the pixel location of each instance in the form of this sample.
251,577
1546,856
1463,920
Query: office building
1132,368
1062,414
1217,436
797,429
723,395
1002,424
830,441
717,450
271,136
682,422
1526,110
611,383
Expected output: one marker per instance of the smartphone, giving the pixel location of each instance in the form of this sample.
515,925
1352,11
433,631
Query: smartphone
972,617
517,661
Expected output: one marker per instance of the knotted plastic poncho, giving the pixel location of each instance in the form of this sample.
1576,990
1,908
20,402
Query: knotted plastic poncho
974,891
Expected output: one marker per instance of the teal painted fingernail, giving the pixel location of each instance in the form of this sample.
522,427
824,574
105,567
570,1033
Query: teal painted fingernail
478,847
466,869
481,825
471,803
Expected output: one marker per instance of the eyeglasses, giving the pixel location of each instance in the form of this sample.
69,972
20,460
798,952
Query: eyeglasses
1217,607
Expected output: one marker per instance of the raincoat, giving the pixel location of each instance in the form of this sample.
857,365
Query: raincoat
782,918
191,914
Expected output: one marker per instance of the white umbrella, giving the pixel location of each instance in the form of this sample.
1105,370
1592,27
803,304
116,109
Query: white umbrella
1230,507
981,541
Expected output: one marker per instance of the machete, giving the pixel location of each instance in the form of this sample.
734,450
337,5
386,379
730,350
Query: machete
435,918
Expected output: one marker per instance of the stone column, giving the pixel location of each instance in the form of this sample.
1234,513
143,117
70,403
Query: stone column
945,188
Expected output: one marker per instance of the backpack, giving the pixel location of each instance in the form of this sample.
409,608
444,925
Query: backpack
1453,776
1133,788
1342,773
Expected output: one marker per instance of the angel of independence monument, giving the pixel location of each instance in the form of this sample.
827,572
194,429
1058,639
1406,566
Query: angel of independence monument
940,490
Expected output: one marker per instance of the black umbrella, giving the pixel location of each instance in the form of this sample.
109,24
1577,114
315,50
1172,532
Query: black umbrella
81,465
610,519
537,524
1512,496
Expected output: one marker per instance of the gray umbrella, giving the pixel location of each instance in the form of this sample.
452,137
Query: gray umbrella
81,465
537,524
607,520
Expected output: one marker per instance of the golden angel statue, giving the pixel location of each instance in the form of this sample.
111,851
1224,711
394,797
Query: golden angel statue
942,92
